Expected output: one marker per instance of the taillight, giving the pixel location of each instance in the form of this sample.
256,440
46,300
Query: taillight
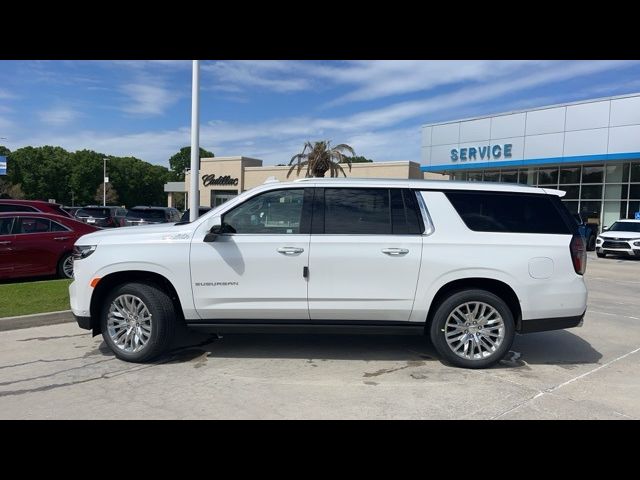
578,254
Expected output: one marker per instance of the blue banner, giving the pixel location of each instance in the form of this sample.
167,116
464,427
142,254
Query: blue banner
3,165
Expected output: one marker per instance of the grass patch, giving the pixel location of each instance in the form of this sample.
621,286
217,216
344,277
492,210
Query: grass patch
34,297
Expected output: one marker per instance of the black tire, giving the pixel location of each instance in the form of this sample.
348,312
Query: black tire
163,320
601,255
591,244
61,266
444,309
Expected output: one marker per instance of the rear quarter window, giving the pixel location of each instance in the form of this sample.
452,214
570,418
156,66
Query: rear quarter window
512,212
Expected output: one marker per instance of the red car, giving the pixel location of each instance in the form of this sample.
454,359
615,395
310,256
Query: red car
34,243
11,205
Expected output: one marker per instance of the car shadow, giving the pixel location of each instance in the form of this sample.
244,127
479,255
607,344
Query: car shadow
560,347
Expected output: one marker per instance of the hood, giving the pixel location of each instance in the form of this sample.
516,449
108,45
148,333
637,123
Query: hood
621,234
141,234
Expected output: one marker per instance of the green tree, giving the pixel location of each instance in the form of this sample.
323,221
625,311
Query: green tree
42,172
182,161
320,157
111,195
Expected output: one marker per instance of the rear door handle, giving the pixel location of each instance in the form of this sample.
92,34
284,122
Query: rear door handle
290,250
395,252
60,239
6,242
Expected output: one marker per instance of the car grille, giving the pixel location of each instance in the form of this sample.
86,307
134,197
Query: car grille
610,244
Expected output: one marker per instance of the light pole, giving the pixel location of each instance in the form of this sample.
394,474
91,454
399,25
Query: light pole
194,191
104,182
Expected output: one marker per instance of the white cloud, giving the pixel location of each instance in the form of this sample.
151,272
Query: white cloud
270,75
148,99
6,94
58,116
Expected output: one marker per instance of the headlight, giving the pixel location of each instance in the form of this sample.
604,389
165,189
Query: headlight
599,240
637,244
83,251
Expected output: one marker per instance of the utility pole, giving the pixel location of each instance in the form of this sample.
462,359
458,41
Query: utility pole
104,182
194,200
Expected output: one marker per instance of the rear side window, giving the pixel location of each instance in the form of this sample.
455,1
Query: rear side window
510,212
8,207
5,225
357,211
33,225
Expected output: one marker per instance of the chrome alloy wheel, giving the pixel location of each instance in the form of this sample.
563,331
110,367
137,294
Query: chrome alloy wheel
129,323
474,330
67,267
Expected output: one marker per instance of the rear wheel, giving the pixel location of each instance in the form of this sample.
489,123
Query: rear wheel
473,329
138,322
65,266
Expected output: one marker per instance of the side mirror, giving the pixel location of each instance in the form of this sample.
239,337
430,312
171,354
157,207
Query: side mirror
218,228
605,228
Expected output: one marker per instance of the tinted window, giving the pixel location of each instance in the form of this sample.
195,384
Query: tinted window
625,227
357,211
33,225
94,212
5,225
146,214
16,208
404,212
512,212
276,212
56,227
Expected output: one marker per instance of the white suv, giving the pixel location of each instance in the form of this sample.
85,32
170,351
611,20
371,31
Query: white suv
470,264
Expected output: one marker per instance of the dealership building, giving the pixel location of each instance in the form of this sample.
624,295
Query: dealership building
590,149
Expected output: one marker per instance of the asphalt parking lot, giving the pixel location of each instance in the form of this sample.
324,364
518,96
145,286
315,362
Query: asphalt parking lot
592,372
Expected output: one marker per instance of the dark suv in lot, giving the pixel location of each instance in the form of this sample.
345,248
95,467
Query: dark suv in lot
143,215
104,217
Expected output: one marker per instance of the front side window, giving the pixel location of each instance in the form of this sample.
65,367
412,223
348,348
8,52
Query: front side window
5,225
357,211
274,212
34,225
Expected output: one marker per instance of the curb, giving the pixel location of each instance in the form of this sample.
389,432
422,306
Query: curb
35,320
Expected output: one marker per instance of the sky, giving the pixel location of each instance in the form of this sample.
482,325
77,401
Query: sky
267,109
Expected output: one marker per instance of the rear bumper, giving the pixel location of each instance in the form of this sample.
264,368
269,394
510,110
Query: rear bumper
546,324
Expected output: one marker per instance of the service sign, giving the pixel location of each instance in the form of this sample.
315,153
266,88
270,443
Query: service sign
3,165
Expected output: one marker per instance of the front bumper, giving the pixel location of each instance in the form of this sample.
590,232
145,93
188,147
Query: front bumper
631,252
546,324
83,322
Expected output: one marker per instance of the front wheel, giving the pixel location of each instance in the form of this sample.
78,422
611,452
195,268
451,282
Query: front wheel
601,255
138,322
65,266
473,329
591,244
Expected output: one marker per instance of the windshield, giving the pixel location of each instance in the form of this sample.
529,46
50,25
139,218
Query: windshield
94,212
146,214
625,227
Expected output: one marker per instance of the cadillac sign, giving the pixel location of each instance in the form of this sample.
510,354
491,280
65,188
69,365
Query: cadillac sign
487,152
208,180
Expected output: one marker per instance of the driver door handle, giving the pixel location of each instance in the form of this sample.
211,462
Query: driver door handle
5,242
395,252
60,239
290,250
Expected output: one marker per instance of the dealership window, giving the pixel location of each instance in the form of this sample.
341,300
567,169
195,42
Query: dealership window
492,175
218,197
617,173
591,192
509,176
593,174
616,192
528,176
634,191
475,176
634,206
570,175
572,192
548,176
635,172
572,206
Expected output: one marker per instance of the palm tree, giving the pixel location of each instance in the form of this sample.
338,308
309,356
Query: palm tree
320,157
